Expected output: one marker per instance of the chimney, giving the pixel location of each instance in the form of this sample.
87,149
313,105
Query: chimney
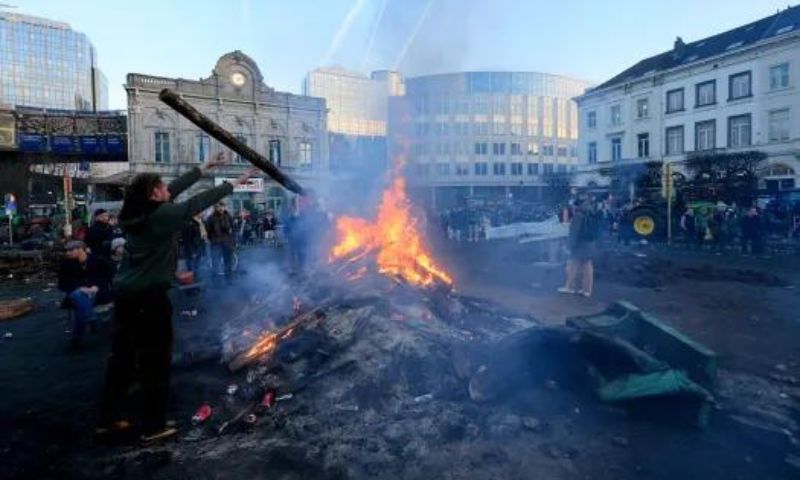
679,49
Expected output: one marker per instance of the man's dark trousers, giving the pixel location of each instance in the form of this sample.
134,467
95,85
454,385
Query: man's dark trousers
141,334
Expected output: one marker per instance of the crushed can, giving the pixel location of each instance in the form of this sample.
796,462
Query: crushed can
202,414
268,400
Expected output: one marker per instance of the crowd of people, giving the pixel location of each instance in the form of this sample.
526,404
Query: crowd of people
213,240
718,227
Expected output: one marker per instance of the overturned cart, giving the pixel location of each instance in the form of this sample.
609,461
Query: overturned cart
622,356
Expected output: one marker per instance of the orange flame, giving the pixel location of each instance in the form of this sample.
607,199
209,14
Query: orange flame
265,346
394,237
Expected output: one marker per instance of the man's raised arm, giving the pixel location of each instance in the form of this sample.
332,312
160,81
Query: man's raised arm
180,184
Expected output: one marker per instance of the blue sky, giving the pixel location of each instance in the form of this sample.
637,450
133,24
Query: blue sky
587,39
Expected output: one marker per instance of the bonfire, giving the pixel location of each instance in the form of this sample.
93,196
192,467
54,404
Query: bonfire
393,238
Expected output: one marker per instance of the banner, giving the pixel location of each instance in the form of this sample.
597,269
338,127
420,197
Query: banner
8,136
99,136
62,144
548,229
29,142
89,144
254,185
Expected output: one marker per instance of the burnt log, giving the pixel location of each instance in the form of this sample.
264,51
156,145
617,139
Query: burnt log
183,107
303,321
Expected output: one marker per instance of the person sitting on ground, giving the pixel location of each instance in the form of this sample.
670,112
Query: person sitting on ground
86,280
582,246
100,234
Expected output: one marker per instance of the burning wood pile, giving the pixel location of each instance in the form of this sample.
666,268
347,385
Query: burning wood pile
376,362
389,341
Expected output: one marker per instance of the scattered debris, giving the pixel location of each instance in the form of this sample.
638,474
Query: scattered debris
531,423
232,389
236,418
423,398
202,414
346,408
268,400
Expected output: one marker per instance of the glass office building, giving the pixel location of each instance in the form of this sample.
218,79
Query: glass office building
356,103
357,116
487,134
46,64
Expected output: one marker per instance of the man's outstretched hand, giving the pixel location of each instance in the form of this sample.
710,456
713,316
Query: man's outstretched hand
246,176
220,159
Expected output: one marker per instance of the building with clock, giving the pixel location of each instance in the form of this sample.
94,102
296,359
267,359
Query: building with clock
289,130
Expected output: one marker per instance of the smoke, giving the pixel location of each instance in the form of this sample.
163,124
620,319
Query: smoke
373,34
413,36
421,37
343,30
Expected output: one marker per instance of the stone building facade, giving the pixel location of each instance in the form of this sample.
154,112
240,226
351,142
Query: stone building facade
289,130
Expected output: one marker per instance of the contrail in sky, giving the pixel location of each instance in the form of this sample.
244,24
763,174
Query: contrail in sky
403,51
372,35
344,28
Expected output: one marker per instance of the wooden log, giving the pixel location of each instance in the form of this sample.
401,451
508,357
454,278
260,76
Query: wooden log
14,308
183,107
245,358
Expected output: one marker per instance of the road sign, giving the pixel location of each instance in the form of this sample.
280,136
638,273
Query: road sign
11,204
11,210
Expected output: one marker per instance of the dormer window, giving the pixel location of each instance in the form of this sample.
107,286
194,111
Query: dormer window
734,45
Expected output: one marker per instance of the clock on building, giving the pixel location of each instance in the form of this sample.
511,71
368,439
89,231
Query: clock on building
237,79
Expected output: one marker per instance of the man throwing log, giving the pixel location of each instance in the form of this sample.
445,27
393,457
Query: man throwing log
142,324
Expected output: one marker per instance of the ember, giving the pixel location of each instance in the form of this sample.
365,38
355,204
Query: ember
395,239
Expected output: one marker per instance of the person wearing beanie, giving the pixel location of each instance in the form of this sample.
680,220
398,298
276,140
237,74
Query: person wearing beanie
86,281
100,234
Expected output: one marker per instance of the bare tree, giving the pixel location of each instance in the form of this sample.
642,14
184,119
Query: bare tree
726,176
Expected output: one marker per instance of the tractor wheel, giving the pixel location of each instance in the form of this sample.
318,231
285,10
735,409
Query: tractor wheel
646,223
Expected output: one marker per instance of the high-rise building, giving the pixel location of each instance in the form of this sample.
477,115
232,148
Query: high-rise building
46,64
357,115
485,134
